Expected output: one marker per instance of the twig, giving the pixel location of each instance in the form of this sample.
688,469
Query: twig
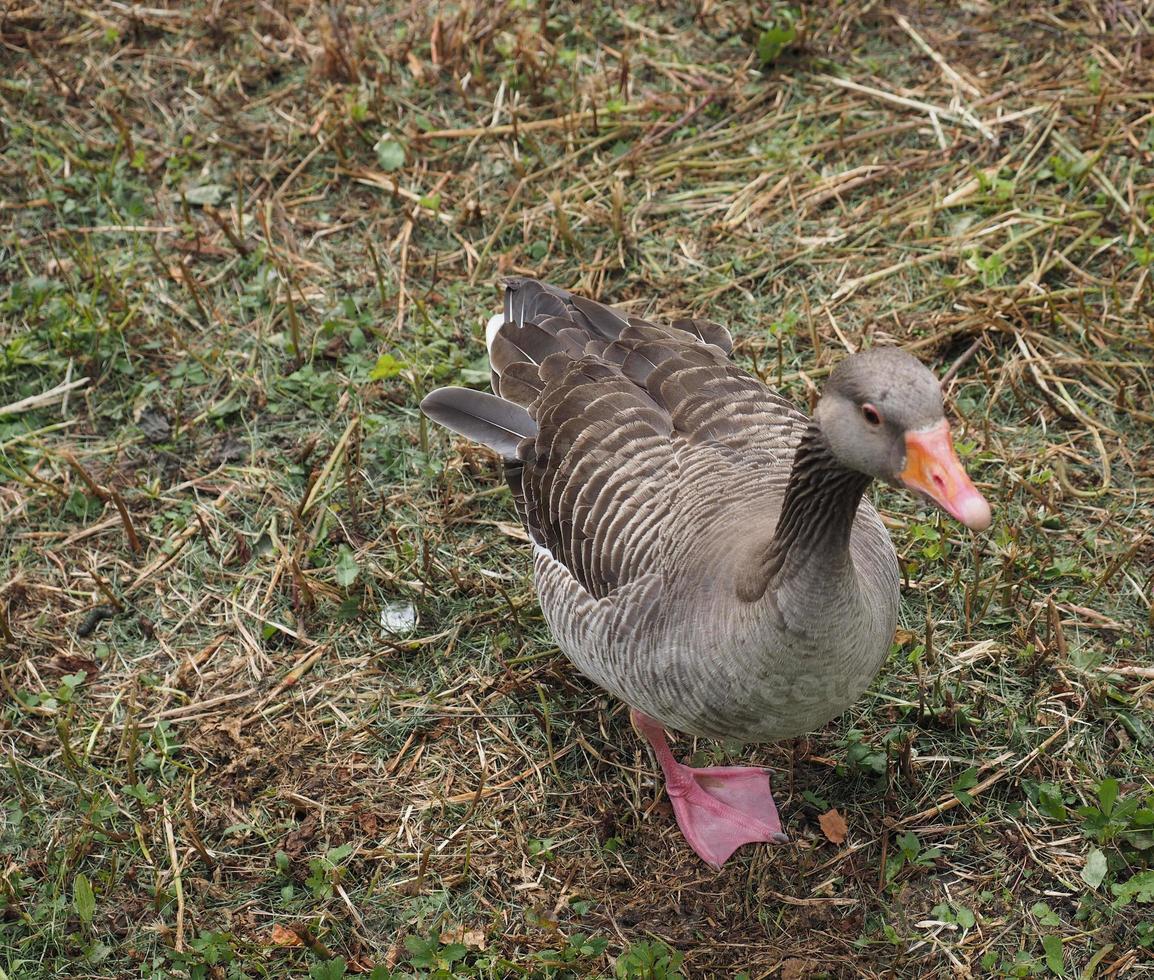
402,275
851,286
234,236
44,398
5,629
497,787
1090,164
86,478
302,667
963,116
810,902
126,518
330,465
1127,670
962,359
513,198
558,122
653,137
949,802
178,942
938,60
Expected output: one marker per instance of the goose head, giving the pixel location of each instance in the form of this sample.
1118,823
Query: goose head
881,414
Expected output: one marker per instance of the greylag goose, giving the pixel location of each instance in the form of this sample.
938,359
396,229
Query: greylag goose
702,549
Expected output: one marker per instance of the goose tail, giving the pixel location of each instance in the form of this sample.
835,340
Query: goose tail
481,417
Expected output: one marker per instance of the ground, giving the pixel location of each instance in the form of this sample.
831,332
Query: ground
277,696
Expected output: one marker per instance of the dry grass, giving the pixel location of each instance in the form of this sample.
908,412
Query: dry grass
218,310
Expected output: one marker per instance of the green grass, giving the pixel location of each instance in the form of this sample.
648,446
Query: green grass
262,232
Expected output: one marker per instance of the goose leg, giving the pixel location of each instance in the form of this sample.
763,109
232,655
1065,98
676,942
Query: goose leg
718,808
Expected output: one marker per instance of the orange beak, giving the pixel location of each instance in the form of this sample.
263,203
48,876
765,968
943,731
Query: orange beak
932,468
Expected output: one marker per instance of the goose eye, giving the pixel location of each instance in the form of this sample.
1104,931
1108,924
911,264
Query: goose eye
871,414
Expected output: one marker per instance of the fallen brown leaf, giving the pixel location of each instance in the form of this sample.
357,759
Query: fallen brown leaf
278,935
833,825
797,969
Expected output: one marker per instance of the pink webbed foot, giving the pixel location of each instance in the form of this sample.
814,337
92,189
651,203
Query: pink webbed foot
718,808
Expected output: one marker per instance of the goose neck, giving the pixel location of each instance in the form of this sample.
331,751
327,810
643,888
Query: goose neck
817,515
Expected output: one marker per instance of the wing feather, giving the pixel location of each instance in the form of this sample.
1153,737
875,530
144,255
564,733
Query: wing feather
611,419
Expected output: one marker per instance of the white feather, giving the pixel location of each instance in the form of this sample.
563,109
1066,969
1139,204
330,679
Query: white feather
491,328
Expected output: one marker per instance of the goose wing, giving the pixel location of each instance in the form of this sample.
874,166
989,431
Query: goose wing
638,426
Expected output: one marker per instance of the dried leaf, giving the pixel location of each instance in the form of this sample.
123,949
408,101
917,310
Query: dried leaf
833,825
797,969
514,531
278,935
473,938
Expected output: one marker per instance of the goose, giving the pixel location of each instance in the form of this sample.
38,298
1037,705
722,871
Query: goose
702,549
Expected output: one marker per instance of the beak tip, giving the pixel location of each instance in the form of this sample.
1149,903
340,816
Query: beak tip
974,512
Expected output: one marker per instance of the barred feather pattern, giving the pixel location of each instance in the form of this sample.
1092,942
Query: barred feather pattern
652,490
